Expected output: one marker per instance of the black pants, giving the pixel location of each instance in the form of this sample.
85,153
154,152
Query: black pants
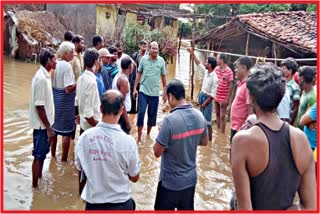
127,205
169,200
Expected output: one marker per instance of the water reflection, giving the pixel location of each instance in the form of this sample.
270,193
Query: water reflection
58,189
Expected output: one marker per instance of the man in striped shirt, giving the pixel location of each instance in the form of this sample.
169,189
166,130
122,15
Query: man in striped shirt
224,90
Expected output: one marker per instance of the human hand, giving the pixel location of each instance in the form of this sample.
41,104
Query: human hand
135,92
50,134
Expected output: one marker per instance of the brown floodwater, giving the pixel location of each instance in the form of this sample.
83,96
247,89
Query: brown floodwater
58,188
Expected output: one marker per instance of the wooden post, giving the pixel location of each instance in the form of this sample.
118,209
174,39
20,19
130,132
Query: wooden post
247,45
181,30
192,45
274,50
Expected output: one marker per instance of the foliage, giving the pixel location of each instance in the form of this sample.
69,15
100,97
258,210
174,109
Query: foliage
186,30
312,8
134,33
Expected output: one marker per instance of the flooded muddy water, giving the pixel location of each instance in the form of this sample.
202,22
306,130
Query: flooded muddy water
58,188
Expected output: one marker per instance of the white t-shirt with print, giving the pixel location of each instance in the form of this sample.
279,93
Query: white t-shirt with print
107,156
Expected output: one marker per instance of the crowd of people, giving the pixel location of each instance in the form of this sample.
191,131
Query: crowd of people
272,124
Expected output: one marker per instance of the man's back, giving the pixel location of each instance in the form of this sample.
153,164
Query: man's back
108,156
180,134
275,159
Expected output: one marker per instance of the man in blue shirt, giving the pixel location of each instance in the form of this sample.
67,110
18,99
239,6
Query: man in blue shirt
309,121
180,134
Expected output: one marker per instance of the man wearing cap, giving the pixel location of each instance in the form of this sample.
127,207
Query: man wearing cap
106,75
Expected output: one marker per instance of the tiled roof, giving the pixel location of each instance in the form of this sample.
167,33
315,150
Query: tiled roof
291,28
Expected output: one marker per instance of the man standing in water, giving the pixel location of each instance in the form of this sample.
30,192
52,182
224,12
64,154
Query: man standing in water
240,108
109,158
41,113
151,68
272,160
224,90
180,134
64,93
132,78
208,89
121,83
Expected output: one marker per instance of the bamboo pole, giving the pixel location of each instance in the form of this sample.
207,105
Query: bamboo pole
247,45
192,45
274,51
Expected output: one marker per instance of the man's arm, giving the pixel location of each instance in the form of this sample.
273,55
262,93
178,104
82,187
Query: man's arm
204,140
305,119
296,104
240,173
138,78
230,92
134,163
206,102
43,117
126,119
164,84
158,149
303,157
69,89
196,60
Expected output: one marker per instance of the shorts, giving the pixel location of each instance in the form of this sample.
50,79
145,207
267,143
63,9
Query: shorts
41,146
152,103
169,200
207,111
127,205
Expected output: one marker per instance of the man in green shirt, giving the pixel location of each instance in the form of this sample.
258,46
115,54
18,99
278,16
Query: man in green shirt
289,67
308,98
151,69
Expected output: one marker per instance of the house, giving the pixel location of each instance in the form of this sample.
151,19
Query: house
271,35
26,32
112,18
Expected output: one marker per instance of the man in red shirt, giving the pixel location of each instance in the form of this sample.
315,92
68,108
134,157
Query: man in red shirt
240,107
224,90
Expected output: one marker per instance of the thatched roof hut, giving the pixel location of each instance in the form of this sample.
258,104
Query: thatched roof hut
272,35
26,32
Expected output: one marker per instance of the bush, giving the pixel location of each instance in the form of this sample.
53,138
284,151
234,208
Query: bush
134,33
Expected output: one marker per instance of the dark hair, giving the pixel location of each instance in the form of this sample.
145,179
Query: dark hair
125,62
45,55
223,57
308,73
68,36
212,61
111,104
119,45
143,42
77,39
244,60
112,50
96,40
290,63
176,88
90,56
267,86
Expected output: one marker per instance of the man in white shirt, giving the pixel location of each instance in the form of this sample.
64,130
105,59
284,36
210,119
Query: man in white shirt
64,93
208,89
41,113
109,158
88,98
87,92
